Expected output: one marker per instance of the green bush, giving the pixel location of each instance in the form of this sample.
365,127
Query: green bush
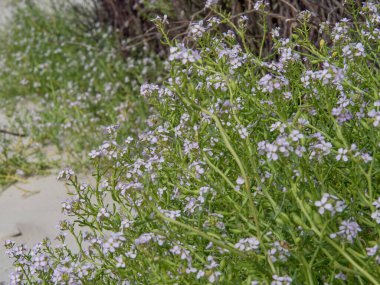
252,170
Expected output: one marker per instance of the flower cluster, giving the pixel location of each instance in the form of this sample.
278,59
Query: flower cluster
330,203
261,166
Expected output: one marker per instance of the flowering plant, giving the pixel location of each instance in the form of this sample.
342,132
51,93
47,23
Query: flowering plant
252,170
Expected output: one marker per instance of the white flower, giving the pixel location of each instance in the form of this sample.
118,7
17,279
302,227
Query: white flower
323,204
377,203
287,95
185,55
342,154
371,251
247,244
260,5
330,203
376,216
94,154
210,3
243,132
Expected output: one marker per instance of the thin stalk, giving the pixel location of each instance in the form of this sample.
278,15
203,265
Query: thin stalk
252,207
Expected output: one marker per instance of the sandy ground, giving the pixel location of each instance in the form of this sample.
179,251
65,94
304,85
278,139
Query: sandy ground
29,211
4,11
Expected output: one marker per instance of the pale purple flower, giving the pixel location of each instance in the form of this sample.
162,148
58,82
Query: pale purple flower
349,230
376,116
271,151
182,252
214,276
200,274
281,280
366,157
341,276
183,54
296,135
377,203
376,216
240,180
65,173
210,3
243,132
278,253
119,262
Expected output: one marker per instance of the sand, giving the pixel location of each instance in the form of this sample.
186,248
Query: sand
29,212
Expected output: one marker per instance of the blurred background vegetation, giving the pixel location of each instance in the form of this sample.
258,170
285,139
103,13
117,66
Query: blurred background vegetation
132,18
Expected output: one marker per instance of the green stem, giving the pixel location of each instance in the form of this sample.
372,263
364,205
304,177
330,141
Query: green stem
220,172
331,242
199,232
252,208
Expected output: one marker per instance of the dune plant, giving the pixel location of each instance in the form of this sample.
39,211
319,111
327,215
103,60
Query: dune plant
251,171
75,81
18,160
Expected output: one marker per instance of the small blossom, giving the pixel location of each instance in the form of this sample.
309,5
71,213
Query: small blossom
66,173
240,180
260,5
349,229
295,135
376,216
342,155
341,276
247,244
119,262
210,3
377,203
330,203
281,280
371,251
278,252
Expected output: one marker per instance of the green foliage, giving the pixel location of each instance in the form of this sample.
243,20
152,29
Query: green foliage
251,170
76,82
18,160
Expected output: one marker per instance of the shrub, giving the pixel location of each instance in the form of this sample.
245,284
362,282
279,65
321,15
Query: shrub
252,170
76,81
